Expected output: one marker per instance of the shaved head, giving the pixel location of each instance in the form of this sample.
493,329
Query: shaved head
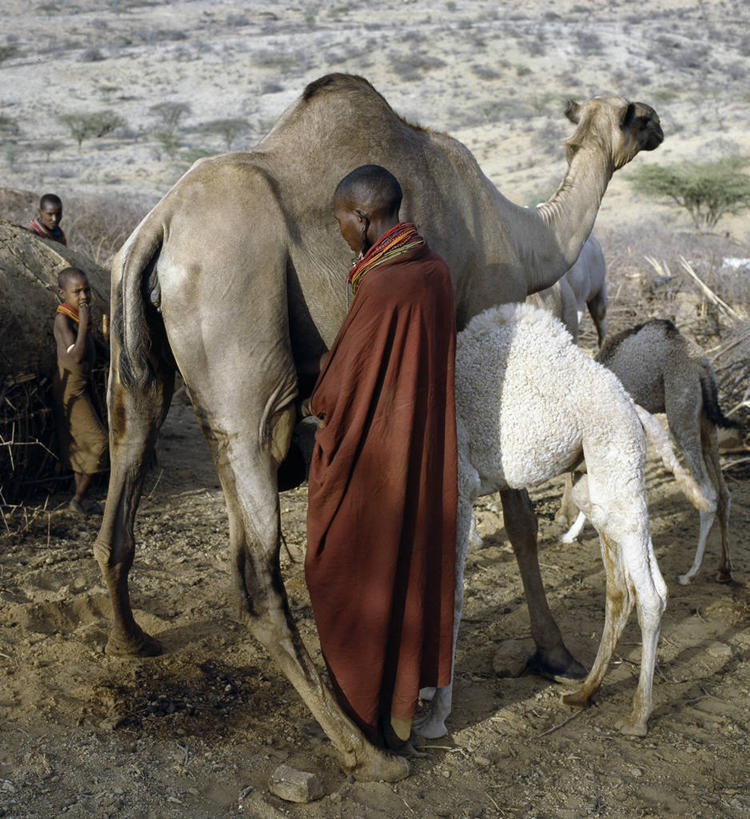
69,273
371,188
50,199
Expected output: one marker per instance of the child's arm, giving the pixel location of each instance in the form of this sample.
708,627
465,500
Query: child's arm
71,349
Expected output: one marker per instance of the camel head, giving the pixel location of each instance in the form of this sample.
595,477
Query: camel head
618,127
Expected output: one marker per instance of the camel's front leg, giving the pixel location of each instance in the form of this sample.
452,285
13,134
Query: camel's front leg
135,415
551,659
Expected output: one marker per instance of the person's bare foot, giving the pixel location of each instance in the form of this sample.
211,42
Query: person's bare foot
76,507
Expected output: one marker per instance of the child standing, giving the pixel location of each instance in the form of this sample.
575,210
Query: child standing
83,438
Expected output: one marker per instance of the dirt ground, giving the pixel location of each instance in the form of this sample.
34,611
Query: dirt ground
197,731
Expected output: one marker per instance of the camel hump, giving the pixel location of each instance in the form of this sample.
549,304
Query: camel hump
338,82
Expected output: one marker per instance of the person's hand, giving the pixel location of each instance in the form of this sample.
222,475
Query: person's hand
84,313
304,408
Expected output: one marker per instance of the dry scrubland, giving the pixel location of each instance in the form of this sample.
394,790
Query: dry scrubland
198,731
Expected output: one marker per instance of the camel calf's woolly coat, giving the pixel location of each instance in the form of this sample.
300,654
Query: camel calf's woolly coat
528,403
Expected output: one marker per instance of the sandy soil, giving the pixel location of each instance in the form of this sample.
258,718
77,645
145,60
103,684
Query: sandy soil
197,731
187,733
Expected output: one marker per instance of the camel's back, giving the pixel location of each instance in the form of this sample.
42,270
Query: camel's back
644,356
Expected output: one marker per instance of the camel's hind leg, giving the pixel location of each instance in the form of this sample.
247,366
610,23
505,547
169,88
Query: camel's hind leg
684,410
598,311
249,427
651,601
632,576
135,415
710,447
619,604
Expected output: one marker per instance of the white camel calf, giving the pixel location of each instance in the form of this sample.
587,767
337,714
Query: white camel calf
528,404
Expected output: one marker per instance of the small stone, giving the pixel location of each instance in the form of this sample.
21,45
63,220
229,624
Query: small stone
295,786
482,761
635,771
719,651
446,774
511,657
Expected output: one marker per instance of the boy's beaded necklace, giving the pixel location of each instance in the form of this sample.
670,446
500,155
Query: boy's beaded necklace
392,243
68,311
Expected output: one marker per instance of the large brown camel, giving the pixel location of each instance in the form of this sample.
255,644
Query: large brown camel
237,277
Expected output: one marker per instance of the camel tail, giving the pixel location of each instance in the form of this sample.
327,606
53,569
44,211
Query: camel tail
711,408
659,439
130,323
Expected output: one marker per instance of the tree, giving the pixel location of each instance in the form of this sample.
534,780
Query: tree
168,140
49,146
229,129
95,124
169,114
8,51
707,190
8,126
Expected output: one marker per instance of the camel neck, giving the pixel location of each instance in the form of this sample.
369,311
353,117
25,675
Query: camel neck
572,211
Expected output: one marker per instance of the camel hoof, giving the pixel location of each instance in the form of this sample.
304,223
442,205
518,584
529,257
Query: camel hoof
142,645
724,576
576,699
567,670
683,579
633,728
380,766
566,539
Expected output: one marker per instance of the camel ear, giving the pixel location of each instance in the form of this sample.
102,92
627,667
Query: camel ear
573,111
628,116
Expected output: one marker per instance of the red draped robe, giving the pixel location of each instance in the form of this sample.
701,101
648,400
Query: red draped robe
381,523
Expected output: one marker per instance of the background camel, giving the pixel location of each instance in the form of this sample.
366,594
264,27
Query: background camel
666,372
237,276
588,281
584,285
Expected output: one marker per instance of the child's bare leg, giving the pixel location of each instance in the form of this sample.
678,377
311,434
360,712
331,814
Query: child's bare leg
83,481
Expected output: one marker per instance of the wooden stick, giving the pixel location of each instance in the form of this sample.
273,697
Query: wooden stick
560,725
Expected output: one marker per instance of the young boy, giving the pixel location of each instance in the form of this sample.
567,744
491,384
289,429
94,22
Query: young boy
83,438
381,521
48,218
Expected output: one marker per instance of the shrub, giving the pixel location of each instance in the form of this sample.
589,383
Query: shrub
95,124
707,190
92,55
98,225
8,126
170,143
8,51
229,129
169,114
49,146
